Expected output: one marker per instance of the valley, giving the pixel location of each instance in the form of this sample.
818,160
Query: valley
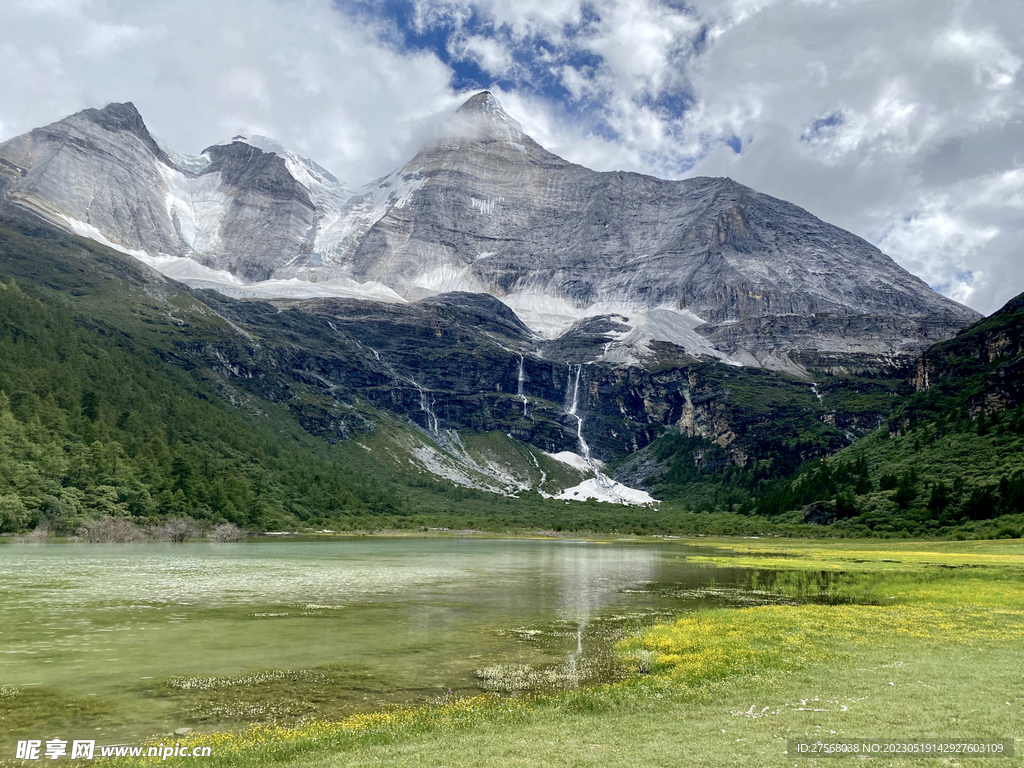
516,459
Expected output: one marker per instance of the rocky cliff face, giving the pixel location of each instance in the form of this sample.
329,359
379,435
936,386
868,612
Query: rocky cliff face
463,361
448,365
984,363
598,265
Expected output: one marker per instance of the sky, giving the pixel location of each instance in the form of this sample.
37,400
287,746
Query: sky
901,121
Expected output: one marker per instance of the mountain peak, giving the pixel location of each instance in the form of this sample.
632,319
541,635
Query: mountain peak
484,112
305,170
262,143
119,117
483,103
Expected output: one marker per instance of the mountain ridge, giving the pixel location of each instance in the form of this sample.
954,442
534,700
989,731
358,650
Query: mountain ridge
709,265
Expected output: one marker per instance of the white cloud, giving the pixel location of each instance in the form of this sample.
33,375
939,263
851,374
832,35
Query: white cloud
993,64
101,39
490,55
639,44
522,18
312,77
941,245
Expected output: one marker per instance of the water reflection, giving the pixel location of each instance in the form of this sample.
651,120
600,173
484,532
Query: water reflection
405,618
582,579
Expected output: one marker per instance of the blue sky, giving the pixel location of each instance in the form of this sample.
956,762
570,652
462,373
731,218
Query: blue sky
902,122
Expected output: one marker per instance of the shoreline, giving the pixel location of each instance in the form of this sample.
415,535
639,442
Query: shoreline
734,671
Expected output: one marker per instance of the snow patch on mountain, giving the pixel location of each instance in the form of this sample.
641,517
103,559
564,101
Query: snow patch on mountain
571,459
552,316
196,205
85,229
342,225
600,488
545,315
607,490
485,206
196,275
294,288
445,279
185,163
191,272
662,324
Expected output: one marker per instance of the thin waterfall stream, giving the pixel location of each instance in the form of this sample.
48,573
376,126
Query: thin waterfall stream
519,389
572,411
573,404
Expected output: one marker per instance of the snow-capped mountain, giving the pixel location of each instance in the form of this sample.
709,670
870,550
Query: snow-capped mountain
613,261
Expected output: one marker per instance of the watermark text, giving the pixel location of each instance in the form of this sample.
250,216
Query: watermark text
55,749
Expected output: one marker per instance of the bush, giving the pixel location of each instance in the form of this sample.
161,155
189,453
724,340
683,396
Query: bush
38,535
227,532
13,515
179,529
112,530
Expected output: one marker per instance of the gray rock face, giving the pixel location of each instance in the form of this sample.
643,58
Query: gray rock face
100,173
98,167
707,264
270,214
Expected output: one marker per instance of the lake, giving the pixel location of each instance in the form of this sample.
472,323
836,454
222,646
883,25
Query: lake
122,642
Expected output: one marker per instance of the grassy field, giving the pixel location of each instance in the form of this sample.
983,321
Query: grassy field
903,640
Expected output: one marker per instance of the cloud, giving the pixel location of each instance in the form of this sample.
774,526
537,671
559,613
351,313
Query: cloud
899,121
521,18
326,83
489,54
938,241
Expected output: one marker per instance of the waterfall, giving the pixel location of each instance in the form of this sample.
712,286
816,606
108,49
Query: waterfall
574,404
426,397
426,406
543,474
817,394
522,378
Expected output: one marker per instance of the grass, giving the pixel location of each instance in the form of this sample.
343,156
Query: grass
906,639
860,555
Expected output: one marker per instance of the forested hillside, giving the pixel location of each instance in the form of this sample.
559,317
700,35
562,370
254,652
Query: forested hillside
93,423
949,460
